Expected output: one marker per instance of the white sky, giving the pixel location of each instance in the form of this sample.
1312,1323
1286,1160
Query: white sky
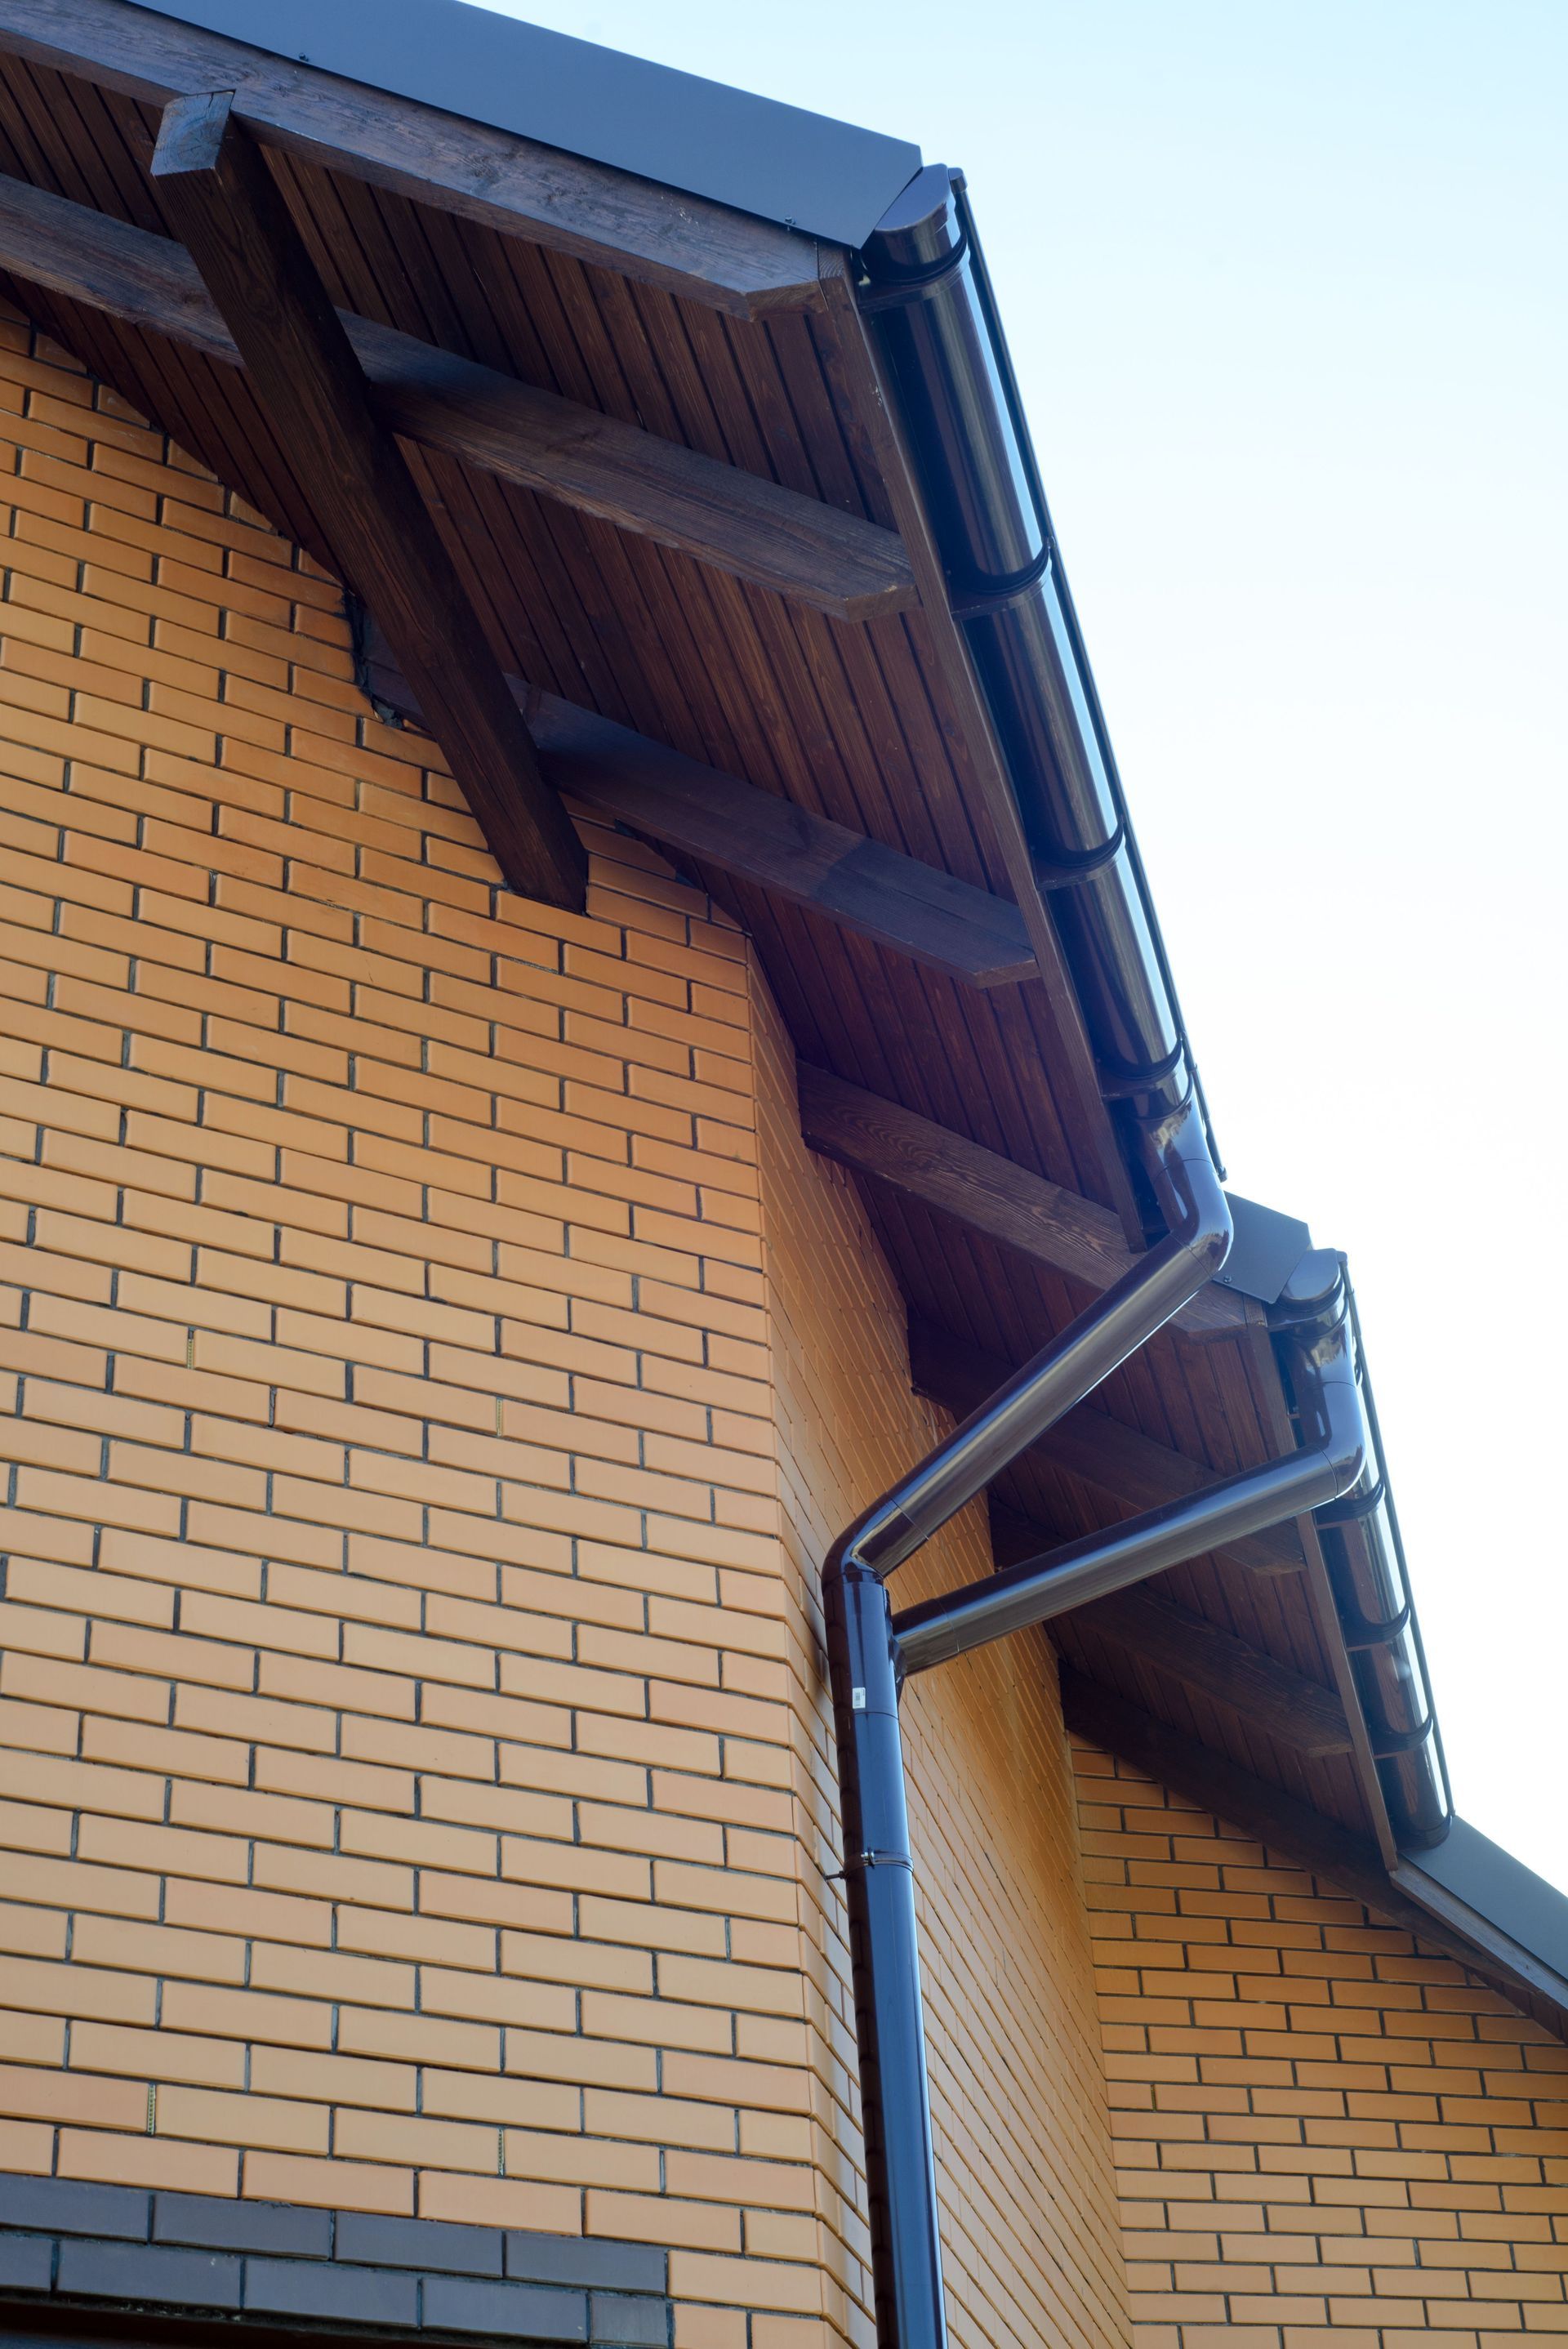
1285,288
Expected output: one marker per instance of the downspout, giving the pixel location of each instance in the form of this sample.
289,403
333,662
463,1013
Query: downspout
864,1670
928,299
925,288
871,1650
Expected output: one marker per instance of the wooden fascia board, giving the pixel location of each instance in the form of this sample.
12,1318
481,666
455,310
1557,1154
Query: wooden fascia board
1278,1820
1130,1469
849,357
218,188
687,245
737,521
990,1193
911,908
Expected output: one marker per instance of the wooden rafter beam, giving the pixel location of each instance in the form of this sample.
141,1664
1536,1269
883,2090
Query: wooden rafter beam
758,837
976,1186
737,521
1213,1662
692,246
231,216
1118,1464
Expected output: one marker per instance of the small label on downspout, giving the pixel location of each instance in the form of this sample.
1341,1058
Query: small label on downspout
857,1699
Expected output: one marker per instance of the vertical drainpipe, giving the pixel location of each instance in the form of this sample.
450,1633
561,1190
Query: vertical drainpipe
906,2260
930,304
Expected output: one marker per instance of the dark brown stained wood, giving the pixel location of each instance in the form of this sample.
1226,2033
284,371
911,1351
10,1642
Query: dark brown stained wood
1022,1210
739,520
1204,1657
743,523
1089,1446
878,727
684,805
218,188
694,247
848,355
1290,1828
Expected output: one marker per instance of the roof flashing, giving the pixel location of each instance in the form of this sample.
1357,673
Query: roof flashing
1495,1887
804,171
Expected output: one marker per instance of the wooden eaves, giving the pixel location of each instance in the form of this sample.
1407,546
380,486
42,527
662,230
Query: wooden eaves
367,506
886,739
739,522
704,251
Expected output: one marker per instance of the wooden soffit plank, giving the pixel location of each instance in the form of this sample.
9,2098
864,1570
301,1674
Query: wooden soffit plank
989,1193
1132,1470
1213,1662
697,809
688,244
738,521
216,185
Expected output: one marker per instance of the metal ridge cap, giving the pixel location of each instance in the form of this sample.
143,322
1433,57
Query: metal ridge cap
783,163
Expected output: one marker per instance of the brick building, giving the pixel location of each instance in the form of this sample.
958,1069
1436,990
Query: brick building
578,991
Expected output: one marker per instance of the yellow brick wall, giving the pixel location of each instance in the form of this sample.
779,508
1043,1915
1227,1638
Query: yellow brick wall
1322,2126
413,1762
1030,2228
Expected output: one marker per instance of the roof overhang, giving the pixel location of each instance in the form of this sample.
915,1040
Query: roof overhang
760,518
804,171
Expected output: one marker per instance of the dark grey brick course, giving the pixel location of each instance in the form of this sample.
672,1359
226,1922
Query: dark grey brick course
418,2243
353,2295
640,2323
65,2239
511,2310
227,2225
147,2272
580,2259
62,2206
25,2262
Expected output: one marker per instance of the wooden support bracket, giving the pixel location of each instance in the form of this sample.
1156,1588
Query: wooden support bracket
740,522
233,218
989,1193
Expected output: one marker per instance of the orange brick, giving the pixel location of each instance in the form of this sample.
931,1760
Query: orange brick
346,2185
141,2160
430,1742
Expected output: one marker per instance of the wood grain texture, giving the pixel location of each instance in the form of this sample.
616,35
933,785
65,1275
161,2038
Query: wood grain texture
1204,1657
976,1187
679,803
1099,1452
741,521
234,220
689,244
1065,1038
877,728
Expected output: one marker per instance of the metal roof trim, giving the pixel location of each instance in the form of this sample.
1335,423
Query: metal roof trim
804,171
1483,1877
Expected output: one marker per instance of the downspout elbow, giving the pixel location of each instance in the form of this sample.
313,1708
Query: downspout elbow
1347,1453
1312,1322
1180,1163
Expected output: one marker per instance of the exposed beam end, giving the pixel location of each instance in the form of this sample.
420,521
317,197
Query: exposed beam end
230,214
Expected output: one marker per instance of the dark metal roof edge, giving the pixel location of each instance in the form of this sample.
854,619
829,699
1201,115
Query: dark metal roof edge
1468,1872
806,172
825,177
